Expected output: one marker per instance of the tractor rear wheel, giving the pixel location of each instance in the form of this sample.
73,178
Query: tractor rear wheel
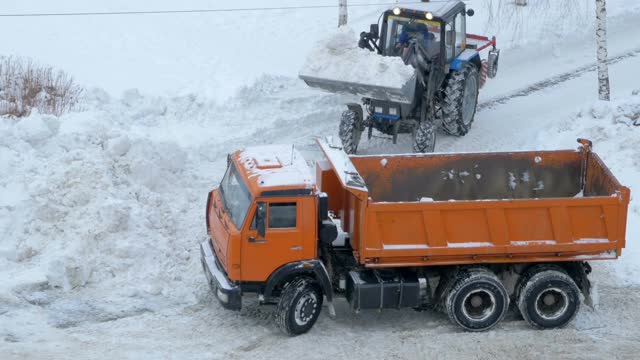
460,100
350,131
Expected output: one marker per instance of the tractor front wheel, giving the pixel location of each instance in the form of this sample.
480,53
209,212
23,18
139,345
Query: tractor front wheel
460,100
350,130
424,137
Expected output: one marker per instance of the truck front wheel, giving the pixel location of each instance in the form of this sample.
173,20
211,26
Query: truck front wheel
548,298
477,301
299,306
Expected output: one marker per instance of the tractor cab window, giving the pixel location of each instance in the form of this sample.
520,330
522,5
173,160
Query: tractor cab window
449,40
461,33
282,215
401,31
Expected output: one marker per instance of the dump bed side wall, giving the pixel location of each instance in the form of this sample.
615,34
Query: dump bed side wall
492,231
555,226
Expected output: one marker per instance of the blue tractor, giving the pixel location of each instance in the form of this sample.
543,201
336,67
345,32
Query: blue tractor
443,93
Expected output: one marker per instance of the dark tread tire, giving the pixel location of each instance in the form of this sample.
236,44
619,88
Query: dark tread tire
482,281
542,281
350,131
297,291
529,273
424,137
452,104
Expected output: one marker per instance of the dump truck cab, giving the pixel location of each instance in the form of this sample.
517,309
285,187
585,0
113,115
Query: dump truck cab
263,223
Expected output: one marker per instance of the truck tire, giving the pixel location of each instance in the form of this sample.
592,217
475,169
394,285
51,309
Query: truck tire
477,301
424,137
460,100
299,306
548,299
350,131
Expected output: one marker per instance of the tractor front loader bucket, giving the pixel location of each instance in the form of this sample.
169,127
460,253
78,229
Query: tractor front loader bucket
403,94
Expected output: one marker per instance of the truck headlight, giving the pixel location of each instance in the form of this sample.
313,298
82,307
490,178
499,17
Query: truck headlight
393,111
378,109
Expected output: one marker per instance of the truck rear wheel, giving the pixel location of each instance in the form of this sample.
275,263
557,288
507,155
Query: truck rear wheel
477,301
548,298
350,131
460,100
299,306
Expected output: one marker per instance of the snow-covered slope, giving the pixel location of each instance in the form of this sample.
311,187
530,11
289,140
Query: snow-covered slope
101,210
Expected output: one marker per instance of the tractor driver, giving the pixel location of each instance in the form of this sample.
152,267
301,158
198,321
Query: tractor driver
414,31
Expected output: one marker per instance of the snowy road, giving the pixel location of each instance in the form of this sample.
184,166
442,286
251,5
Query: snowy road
156,157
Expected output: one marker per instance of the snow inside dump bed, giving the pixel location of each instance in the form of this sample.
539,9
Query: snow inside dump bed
519,175
337,64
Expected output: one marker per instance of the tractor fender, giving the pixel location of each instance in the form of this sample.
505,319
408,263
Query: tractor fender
309,268
465,57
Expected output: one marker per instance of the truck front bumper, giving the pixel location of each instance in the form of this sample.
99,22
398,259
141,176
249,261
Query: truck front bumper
227,293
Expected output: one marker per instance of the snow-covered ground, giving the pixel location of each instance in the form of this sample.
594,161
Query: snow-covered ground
101,210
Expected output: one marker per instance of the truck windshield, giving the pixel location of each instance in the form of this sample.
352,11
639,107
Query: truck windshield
401,30
235,195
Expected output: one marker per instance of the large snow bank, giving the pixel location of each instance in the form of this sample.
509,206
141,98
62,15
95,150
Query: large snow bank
89,202
613,128
339,58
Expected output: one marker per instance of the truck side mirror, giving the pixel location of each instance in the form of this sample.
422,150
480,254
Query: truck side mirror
261,215
374,31
470,12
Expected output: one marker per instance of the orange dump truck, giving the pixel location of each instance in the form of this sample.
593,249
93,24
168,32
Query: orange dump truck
463,233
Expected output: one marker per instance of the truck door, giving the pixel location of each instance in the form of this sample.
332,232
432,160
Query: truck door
282,241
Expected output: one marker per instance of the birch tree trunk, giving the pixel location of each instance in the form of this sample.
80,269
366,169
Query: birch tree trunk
601,42
342,15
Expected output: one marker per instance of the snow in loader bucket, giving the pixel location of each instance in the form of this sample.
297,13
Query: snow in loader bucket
338,65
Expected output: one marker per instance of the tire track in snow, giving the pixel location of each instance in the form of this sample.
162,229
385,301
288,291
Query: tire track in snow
553,81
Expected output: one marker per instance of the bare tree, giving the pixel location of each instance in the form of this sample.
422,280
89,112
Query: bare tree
342,14
601,41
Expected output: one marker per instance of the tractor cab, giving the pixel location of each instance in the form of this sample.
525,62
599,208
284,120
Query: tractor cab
440,28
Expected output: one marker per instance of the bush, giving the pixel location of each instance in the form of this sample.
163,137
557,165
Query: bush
25,85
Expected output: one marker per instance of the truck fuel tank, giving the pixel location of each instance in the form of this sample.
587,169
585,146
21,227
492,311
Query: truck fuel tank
380,289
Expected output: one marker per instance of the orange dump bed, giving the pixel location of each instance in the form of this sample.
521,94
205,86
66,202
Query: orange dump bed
436,209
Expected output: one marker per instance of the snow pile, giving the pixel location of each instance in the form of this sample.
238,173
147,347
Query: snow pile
91,204
610,126
339,58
